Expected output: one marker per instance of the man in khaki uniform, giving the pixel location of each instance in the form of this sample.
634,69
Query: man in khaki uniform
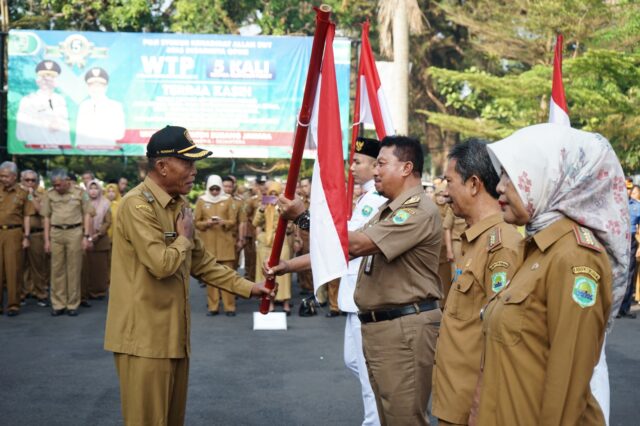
252,204
154,254
37,265
305,278
492,253
229,187
67,233
398,288
15,210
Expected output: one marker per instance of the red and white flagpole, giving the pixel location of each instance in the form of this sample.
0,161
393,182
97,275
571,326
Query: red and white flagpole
558,110
323,15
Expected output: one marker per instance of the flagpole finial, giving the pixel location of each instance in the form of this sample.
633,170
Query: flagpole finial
325,8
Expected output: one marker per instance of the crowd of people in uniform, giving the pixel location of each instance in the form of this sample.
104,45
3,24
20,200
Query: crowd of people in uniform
489,292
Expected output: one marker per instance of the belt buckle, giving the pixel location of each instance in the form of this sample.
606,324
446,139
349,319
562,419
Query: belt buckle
373,316
417,308
5,227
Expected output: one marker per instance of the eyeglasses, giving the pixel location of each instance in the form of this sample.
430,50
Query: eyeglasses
29,180
214,188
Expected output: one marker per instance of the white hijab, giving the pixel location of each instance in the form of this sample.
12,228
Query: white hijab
214,180
559,171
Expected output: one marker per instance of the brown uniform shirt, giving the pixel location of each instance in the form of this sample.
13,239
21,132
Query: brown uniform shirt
68,208
544,332
218,239
408,232
149,312
37,220
493,252
250,208
459,226
447,216
14,205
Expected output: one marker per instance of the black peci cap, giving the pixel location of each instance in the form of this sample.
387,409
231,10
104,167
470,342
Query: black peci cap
175,141
367,146
48,66
96,74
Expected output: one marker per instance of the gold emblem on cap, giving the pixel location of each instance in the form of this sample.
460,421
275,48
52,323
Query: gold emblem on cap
95,72
359,145
48,65
187,136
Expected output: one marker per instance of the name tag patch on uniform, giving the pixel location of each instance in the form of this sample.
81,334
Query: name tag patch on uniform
586,270
498,264
144,207
401,216
498,281
367,210
585,291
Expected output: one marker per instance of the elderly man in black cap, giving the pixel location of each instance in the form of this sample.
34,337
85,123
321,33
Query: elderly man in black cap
43,120
155,252
100,121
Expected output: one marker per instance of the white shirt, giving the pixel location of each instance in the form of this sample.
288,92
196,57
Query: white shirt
100,123
366,208
43,120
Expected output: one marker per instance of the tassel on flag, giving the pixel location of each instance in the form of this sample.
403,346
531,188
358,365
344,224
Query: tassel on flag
328,240
558,111
370,103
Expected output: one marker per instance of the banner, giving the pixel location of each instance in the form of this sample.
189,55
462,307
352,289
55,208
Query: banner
99,93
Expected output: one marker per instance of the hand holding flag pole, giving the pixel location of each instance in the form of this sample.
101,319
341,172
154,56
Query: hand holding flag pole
323,14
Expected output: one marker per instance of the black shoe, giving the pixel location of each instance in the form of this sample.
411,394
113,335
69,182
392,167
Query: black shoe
230,314
43,303
630,315
332,314
13,313
212,313
85,304
57,312
304,292
323,304
72,313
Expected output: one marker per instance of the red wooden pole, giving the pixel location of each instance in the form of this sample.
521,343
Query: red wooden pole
317,50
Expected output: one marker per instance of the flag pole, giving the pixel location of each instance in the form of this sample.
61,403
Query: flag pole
323,13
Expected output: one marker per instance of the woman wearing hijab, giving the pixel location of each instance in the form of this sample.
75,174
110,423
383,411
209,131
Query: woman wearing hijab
446,249
544,332
112,193
215,219
95,268
266,219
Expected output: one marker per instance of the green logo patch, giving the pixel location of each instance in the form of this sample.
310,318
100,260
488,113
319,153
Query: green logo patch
367,210
400,217
585,291
498,281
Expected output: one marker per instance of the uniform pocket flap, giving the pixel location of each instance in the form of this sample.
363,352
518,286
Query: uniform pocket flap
464,283
514,297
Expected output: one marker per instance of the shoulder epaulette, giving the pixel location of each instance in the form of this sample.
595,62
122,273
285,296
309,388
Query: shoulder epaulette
413,200
149,196
585,238
495,238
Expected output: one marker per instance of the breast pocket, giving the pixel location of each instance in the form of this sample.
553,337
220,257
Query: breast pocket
509,322
460,301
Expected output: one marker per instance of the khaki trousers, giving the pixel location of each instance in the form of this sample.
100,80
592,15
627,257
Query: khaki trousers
153,391
399,356
213,294
11,267
250,258
332,291
36,268
446,423
66,268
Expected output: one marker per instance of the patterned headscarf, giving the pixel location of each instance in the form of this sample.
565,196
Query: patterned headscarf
560,172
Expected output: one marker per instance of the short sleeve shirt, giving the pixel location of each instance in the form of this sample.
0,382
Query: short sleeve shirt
408,232
14,205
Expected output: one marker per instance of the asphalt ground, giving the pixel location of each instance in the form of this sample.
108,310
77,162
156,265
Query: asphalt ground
53,371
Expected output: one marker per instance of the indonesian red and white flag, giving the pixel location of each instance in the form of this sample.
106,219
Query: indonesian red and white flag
328,240
558,111
372,105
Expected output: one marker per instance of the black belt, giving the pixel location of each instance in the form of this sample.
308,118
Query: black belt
34,230
67,226
389,314
5,227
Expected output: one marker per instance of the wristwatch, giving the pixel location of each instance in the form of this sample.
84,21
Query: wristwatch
303,221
